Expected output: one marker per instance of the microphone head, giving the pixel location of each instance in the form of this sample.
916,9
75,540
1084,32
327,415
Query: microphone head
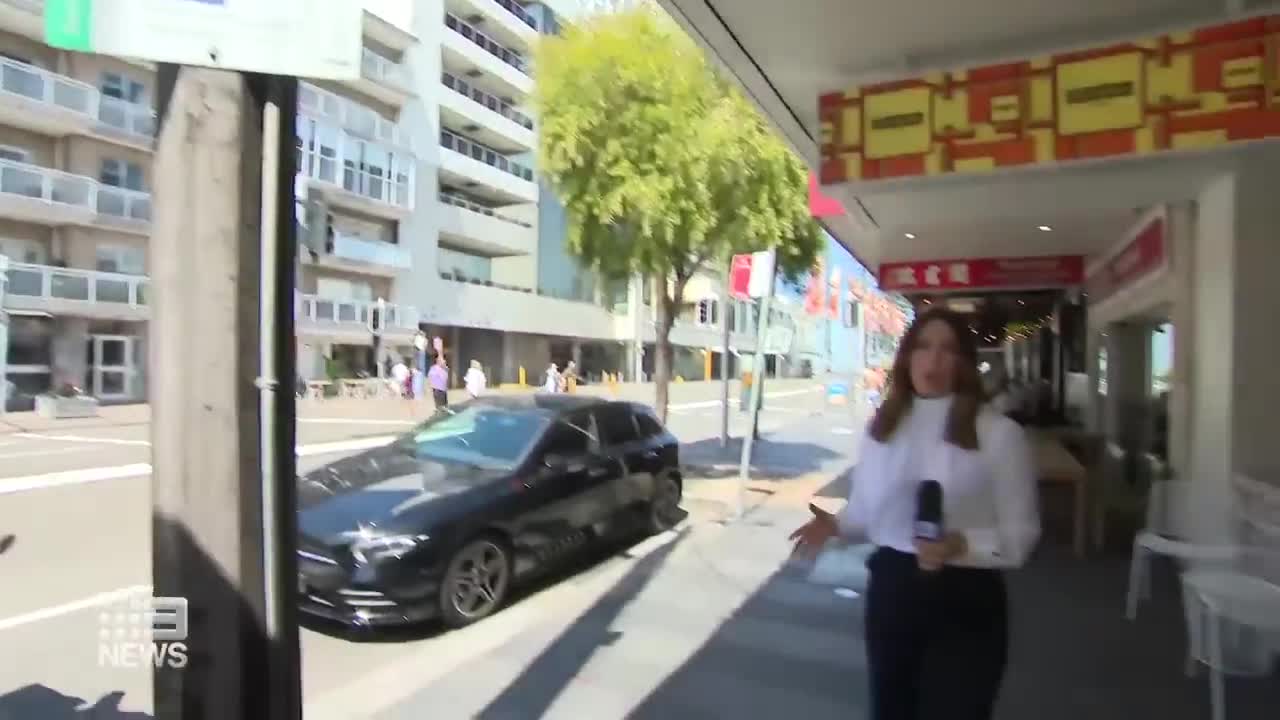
928,525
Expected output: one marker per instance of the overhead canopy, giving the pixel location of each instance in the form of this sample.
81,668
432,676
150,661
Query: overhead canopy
787,55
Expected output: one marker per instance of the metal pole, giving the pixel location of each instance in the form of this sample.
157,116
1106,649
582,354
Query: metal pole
725,299
757,373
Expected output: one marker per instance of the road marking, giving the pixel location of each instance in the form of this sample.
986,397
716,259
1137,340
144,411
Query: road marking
716,403
356,421
102,598
120,472
81,439
45,453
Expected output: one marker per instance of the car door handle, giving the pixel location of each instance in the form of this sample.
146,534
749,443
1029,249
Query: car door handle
651,455
597,472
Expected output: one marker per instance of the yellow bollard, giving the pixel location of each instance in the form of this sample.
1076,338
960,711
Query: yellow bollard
523,377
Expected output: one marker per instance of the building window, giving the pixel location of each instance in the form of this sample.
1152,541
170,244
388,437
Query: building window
121,259
849,314
121,174
708,311
117,86
15,154
341,289
464,267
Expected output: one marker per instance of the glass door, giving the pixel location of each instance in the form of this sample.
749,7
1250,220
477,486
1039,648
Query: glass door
112,366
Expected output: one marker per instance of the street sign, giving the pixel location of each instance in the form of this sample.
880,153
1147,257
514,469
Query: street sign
740,276
300,38
761,283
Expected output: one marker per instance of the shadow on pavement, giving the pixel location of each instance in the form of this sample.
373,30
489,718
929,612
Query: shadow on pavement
45,703
772,458
532,693
6,543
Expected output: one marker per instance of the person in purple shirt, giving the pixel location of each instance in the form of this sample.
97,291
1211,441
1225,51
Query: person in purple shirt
438,379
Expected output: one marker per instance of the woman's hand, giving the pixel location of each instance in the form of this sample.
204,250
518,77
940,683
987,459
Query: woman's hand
811,536
932,555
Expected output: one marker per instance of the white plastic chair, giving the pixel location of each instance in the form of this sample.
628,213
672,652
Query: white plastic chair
1159,537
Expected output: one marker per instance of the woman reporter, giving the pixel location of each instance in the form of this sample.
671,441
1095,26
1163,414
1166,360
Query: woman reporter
936,611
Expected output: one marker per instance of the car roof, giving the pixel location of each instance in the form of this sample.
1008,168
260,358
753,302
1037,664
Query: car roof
552,403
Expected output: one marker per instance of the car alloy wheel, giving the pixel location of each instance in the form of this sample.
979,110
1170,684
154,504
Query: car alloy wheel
476,582
664,511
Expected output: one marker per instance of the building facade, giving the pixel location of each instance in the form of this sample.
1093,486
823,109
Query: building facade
419,208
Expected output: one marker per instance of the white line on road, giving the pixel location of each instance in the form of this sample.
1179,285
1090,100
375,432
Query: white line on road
120,472
81,439
97,600
45,453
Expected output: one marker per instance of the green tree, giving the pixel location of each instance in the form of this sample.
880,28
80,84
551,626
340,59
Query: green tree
662,166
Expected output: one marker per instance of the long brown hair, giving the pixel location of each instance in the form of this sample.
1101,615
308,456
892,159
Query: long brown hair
962,422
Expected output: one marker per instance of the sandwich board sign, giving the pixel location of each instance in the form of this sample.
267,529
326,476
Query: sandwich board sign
300,38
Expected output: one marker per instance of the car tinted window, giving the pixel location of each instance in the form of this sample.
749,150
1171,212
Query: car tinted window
616,425
570,437
649,425
479,435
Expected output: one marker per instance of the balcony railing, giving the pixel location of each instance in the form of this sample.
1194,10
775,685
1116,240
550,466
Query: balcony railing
60,188
89,286
357,166
129,117
373,252
379,69
487,155
50,88
355,314
516,9
351,115
33,83
488,100
490,45
462,202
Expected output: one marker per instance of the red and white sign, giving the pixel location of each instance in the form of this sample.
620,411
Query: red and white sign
983,274
1143,255
751,275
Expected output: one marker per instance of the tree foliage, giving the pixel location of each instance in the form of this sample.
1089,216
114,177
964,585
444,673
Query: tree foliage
662,166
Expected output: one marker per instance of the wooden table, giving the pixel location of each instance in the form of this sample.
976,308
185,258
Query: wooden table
1059,467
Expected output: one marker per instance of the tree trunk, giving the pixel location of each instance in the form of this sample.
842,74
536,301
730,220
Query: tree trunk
662,350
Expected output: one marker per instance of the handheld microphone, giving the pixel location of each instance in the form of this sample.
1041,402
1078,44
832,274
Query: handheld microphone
928,525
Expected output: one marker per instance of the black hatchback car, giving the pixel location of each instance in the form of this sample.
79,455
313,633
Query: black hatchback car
443,521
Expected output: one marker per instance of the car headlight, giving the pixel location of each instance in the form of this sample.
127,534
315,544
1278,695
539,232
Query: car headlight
368,550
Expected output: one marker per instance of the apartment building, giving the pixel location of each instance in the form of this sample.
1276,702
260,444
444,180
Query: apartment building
77,133
418,199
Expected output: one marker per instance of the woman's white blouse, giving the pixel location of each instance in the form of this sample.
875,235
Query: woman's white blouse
989,494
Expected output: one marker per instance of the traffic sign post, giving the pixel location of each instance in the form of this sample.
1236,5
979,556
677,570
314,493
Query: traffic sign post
761,283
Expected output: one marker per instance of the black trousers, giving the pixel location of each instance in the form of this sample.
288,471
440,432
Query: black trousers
440,397
937,642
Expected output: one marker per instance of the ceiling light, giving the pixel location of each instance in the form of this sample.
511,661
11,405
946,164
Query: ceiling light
910,236
1045,228
927,301
1022,302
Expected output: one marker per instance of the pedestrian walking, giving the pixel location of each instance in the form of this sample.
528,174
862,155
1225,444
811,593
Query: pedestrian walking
936,609
438,379
553,379
400,379
570,379
475,381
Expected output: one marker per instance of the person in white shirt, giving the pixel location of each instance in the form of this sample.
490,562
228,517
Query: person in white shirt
475,380
552,382
936,611
400,378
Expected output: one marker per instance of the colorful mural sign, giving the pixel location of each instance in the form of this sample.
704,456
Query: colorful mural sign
1198,89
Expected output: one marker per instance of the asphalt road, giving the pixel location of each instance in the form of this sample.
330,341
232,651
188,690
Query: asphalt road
83,543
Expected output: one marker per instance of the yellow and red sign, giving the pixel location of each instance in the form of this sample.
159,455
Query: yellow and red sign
1196,89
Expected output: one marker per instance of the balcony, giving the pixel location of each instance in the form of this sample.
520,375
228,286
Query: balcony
353,321
382,79
464,48
351,115
356,254
79,293
51,197
356,174
515,310
506,20
48,103
490,119
389,23
485,171
484,230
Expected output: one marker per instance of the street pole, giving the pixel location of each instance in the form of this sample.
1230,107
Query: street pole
757,393
725,299
222,431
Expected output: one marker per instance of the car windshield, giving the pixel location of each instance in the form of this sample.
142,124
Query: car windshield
488,437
